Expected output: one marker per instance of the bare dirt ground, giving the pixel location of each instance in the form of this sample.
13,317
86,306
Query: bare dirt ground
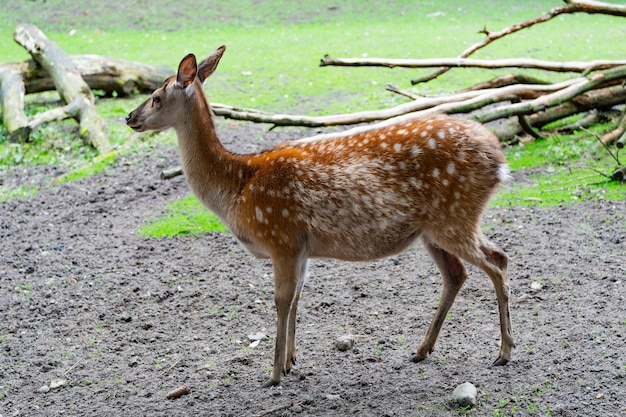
123,319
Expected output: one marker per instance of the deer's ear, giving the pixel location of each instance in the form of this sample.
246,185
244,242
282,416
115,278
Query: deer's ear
187,70
208,66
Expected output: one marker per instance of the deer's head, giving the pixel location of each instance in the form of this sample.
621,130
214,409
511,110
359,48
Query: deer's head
169,104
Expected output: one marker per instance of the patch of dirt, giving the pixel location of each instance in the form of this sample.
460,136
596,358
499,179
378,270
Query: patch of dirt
124,319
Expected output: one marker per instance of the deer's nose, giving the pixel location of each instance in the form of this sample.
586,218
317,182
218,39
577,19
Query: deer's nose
128,117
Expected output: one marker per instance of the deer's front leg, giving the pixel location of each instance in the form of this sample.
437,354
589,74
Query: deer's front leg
291,335
288,279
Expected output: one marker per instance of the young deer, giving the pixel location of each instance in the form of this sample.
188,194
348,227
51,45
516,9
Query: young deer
357,197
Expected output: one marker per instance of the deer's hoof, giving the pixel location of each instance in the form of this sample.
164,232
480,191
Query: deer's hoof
417,358
269,383
500,361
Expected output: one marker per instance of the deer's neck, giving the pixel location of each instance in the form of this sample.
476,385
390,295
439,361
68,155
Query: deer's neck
215,175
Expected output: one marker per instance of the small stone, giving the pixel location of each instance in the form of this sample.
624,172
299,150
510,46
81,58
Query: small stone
43,389
125,317
465,394
345,342
257,336
535,285
58,383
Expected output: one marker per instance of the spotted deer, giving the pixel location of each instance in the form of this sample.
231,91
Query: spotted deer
353,196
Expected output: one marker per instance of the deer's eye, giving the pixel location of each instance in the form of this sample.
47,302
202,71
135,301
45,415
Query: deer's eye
156,100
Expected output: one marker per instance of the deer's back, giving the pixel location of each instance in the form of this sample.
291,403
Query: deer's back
375,189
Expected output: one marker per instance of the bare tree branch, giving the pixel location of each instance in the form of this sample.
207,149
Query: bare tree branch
462,102
571,66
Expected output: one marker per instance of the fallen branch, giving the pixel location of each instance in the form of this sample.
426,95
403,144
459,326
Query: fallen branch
178,392
616,134
619,173
71,87
396,90
550,100
593,100
510,79
592,118
474,100
113,76
170,173
567,66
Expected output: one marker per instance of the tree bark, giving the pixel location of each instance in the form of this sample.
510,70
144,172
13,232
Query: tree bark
68,82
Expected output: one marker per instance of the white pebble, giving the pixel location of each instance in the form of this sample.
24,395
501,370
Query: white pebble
257,336
345,342
58,383
465,394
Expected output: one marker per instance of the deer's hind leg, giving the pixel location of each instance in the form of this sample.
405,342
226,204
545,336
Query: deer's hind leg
479,251
453,274
494,262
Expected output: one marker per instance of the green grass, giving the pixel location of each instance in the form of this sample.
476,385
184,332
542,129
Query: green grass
183,217
99,164
281,50
563,170
22,191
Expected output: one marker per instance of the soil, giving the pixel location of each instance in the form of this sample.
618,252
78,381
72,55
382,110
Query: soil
124,319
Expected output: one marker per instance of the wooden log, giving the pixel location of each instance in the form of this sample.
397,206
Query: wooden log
554,99
68,82
616,134
598,99
113,76
12,92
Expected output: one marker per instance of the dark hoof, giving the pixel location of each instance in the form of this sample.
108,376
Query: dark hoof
500,361
417,359
269,383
